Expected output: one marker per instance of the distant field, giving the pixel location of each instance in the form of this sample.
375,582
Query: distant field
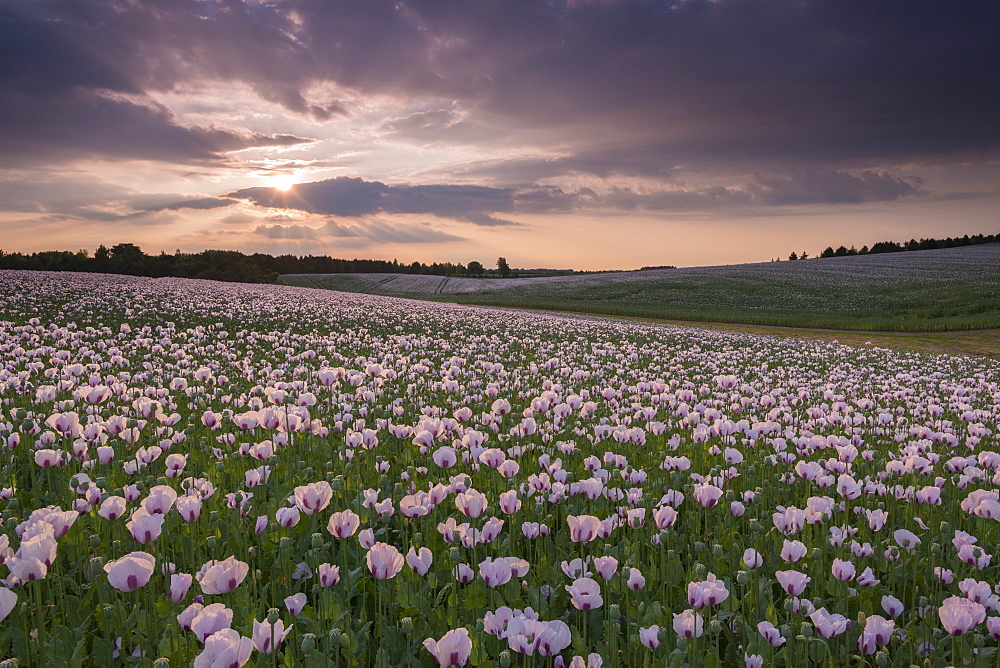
934,290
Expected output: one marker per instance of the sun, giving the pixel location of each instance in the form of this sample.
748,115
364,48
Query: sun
283,182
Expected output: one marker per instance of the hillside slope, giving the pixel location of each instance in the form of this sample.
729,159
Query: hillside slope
934,290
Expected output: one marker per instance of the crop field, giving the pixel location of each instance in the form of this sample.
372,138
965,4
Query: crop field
218,475
934,290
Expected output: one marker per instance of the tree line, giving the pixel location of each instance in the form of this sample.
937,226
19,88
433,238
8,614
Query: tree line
228,265
911,245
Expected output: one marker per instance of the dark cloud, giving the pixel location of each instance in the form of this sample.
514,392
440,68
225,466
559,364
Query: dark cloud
353,197
371,231
67,92
746,83
177,202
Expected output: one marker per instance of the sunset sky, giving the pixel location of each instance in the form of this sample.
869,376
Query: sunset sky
579,134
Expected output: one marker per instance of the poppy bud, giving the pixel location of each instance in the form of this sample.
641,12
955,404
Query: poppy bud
505,659
317,541
454,554
881,658
336,637
273,615
806,629
742,577
220,467
308,643
406,625
211,542
95,541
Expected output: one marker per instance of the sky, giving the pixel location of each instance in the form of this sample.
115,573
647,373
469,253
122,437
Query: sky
586,134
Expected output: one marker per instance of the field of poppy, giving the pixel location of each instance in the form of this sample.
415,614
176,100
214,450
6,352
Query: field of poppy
228,474
934,290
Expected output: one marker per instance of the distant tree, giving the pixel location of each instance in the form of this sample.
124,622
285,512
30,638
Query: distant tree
828,252
852,251
503,267
793,256
126,252
102,253
841,251
863,251
475,268
804,256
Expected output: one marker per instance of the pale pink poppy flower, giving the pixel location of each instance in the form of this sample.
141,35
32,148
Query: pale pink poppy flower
314,497
829,625
419,560
843,570
464,573
445,457
188,507
707,495
605,566
131,571
892,606
708,592
267,638
752,558
583,528
689,624
793,582
180,583
187,616
509,468
145,528
650,637
771,634
227,649
452,650
210,619
472,503
221,577
495,572
8,600
295,603
593,660
975,555
366,538
343,524
509,503
879,629
636,581
793,551
112,508
287,517
384,561
329,575
960,615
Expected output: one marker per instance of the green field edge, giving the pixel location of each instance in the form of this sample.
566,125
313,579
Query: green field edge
952,340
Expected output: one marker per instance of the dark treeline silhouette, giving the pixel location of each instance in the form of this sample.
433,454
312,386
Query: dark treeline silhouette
221,265
911,245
